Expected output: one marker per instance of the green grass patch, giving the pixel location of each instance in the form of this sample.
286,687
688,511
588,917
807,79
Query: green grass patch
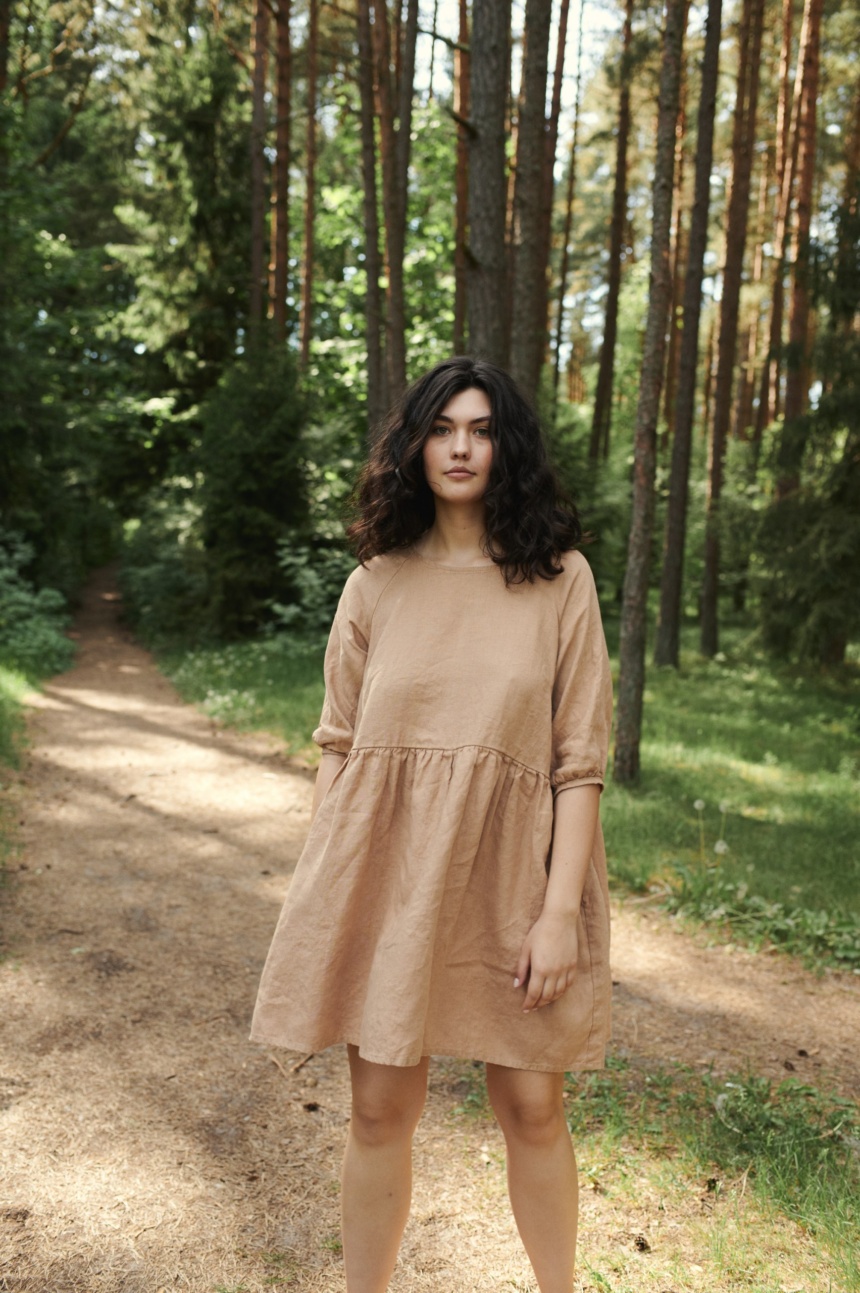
772,754
796,1148
271,684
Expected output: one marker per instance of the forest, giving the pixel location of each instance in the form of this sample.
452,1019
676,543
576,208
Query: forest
231,233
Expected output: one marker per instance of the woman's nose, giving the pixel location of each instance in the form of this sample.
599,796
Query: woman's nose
460,444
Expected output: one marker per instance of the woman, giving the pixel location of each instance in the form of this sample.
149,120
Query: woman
451,898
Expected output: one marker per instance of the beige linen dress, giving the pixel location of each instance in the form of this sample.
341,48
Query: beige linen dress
462,705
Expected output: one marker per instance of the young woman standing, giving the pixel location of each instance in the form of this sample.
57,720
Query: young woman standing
451,898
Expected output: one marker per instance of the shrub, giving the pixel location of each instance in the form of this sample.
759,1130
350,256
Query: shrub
31,620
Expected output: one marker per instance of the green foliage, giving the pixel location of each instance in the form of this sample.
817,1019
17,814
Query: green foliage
820,937
163,572
316,576
808,551
253,492
31,620
274,684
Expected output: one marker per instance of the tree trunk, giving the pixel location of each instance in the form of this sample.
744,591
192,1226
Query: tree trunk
280,227
797,374
602,419
528,279
486,279
743,140
787,142
5,15
679,259
395,170
258,171
744,413
542,321
631,677
462,102
377,387
667,645
568,211
310,186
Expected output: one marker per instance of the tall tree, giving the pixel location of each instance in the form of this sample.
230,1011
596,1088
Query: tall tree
487,295
602,418
674,541
787,146
462,101
395,91
377,385
631,676
530,247
310,185
570,196
280,220
743,141
797,374
260,54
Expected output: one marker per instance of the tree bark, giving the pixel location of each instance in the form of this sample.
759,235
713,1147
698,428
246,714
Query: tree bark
667,646
528,279
377,386
797,370
743,140
462,104
395,171
310,186
787,144
486,278
5,15
570,196
679,259
601,423
279,257
258,174
631,678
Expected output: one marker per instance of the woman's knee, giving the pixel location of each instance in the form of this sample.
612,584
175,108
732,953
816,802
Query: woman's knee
530,1110
386,1103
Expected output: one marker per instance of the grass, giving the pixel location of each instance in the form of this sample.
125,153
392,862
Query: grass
657,1139
777,747
13,687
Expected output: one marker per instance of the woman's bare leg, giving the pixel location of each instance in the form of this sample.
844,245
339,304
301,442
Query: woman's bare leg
542,1178
377,1168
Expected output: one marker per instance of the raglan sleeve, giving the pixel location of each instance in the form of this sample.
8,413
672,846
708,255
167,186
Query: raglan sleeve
582,691
345,659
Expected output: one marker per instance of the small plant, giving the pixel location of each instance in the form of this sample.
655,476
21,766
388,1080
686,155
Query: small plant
31,620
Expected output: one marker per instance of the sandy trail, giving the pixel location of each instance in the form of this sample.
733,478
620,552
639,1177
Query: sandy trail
145,1145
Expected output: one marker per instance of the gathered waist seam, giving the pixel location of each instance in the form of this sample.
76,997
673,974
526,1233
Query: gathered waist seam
449,749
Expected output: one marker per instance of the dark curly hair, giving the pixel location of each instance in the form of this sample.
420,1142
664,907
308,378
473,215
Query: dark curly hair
529,523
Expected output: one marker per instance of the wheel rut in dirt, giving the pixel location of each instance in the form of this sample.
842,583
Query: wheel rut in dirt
144,1142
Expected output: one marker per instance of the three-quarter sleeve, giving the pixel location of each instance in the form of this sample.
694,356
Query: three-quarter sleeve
345,659
582,692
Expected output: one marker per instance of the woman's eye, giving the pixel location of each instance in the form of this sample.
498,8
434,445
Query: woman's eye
482,431
440,431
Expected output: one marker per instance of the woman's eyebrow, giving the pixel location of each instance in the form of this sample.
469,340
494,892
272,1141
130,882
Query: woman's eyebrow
443,417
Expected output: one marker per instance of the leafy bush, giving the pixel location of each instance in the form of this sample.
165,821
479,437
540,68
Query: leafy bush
253,489
163,574
316,576
31,620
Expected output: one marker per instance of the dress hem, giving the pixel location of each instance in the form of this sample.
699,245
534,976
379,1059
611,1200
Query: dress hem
593,1059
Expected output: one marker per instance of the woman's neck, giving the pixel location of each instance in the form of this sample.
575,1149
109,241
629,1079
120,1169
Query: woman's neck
456,537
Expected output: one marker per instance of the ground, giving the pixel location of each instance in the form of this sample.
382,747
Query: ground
146,1145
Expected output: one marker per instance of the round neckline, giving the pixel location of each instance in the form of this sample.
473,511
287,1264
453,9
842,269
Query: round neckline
442,565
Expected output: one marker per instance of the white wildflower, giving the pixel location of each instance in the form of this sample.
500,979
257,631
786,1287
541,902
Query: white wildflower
721,847
698,804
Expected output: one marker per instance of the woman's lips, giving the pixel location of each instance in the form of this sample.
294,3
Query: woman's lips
459,471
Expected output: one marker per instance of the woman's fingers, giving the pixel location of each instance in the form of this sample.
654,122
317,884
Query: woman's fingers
544,989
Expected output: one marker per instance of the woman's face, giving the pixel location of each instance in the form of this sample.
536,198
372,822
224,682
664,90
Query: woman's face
458,452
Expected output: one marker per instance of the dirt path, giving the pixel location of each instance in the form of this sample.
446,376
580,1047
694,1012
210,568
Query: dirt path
145,1145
